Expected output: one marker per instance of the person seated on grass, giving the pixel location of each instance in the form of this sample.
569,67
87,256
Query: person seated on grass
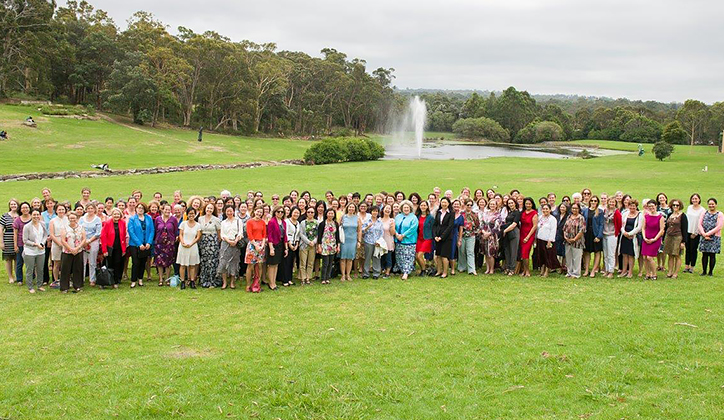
4,135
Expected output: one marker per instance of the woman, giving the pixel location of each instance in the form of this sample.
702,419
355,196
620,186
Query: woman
455,233
611,230
164,243
255,249
653,230
406,228
528,227
140,240
593,237
693,214
278,246
73,239
48,215
423,246
55,231
490,227
308,246
210,226
8,245
114,244
219,209
442,232
466,238
564,210
18,226
369,235
545,249
363,218
388,234
229,252
511,236
573,232
710,226
328,242
415,199
632,222
293,240
350,227
662,206
677,226
92,225
187,256
35,236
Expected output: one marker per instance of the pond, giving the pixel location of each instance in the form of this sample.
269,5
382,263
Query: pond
442,150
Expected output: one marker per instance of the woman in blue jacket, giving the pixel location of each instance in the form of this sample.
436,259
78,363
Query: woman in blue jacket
593,237
140,233
405,239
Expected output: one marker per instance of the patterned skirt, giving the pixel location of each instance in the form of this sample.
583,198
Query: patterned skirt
253,255
209,253
405,256
229,257
164,250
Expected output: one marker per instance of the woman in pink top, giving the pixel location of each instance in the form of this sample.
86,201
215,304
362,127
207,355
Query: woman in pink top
653,230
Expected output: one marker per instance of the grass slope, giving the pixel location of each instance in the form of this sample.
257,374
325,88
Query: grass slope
62,144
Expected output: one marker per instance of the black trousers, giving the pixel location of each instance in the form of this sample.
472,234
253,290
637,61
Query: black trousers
71,266
692,247
290,261
327,265
46,272
139,263
115,262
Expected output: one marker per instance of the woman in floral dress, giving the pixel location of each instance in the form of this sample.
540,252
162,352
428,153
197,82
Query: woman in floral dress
209,247
164,249
490,223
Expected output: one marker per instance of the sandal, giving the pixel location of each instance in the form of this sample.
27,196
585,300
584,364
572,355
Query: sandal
160,283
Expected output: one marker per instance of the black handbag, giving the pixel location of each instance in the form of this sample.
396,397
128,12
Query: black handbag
104,275
144,253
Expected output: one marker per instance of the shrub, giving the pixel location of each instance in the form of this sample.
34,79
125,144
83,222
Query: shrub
662,150
337,150
65,110
540,131
341,132
480,128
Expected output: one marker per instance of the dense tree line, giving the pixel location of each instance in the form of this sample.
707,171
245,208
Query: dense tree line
76,54
526,119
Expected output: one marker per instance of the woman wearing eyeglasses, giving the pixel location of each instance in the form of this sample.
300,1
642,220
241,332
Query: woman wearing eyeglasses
278,246
466,241
308,246
677,226
593,236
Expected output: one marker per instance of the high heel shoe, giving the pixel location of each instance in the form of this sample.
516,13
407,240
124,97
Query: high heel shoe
193,284
183,285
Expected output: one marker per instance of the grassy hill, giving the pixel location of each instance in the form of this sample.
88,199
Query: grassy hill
62,143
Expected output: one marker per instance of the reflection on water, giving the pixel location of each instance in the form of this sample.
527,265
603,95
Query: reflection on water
462,151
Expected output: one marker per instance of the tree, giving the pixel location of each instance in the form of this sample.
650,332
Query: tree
540,131
641,130
674,134
662,150
269,76
480,128
132,89
692,116
514,110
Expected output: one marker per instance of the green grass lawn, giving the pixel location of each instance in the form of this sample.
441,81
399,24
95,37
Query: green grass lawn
62,144
464,348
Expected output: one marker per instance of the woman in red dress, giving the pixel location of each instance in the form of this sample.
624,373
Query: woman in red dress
424,235
528,227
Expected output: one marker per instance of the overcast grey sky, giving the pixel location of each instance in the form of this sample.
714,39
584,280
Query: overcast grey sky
666,50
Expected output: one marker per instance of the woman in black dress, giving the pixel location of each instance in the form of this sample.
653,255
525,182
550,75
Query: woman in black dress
442,232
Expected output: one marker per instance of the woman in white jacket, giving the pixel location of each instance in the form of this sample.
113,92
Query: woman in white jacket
632,222
35,236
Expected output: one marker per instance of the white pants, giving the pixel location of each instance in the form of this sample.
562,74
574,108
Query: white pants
609,252
89,258
573,260
466,255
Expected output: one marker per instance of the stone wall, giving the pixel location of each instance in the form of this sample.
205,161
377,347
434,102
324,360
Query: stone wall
147,171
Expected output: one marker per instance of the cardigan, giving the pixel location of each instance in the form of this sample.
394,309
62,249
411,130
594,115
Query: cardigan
597,222
274,232
138,236
407,227
427,226
717,229
638,225
30,238
108,235
320,231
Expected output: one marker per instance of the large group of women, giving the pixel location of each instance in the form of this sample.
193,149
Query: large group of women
212,241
